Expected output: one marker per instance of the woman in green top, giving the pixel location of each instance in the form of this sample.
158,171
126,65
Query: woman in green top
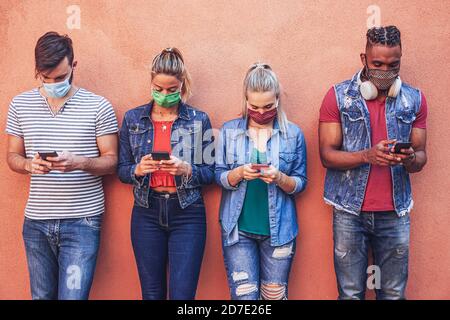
254,217
261,165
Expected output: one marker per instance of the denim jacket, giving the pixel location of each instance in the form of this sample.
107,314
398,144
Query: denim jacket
345,189
285,152
191,140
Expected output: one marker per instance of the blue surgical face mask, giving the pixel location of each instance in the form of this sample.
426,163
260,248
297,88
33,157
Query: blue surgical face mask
57,89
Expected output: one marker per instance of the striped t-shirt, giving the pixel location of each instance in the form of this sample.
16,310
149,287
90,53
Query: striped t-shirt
83,118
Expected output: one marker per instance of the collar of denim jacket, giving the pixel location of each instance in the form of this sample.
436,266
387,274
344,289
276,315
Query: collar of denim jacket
353,87
183,112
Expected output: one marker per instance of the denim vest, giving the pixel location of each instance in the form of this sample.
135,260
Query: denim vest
285,152
345,189
191,140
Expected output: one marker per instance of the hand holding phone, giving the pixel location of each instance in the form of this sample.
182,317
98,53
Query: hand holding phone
146,165
37,165
259,166
249,172
401,145
45,155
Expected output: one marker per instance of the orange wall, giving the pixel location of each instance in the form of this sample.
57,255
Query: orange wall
310,44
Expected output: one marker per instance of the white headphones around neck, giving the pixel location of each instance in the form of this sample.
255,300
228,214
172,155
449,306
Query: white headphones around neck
369,91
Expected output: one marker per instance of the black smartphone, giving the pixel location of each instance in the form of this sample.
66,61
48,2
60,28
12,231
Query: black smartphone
160,155
45,155
401,145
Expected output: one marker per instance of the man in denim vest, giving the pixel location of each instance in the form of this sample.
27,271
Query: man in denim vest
367,179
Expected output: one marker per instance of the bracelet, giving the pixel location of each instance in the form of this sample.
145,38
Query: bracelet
187,164
186,178
280,179
412,159
241,177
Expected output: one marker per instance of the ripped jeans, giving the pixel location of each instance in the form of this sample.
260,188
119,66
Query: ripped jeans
256,270
388,236
61,256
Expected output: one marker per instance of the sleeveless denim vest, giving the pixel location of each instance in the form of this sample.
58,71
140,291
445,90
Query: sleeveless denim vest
345,189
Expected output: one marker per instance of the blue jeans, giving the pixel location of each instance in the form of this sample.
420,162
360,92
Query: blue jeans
61,256
257,270
387,235
166,235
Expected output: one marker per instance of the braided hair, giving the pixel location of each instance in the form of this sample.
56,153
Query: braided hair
387,36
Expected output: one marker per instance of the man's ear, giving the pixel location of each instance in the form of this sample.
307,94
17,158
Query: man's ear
363,59
74,64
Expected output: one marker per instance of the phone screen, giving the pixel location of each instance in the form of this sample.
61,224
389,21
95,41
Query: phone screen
401,145
45,155
160,155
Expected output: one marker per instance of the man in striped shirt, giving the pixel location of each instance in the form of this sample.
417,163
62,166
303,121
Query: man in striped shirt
65,206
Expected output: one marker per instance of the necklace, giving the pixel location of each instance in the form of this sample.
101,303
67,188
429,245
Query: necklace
165,115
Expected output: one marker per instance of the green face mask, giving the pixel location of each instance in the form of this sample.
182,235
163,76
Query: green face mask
166,100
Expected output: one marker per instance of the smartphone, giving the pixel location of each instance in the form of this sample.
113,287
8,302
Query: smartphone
259,166
160,155
401,145
45,155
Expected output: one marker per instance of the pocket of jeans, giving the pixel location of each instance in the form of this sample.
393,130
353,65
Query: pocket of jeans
402,252
26,226
338,215
406,219
93,222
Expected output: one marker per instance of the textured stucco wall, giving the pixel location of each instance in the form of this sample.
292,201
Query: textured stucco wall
310,44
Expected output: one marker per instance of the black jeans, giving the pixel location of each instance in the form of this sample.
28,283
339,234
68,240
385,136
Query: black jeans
168,240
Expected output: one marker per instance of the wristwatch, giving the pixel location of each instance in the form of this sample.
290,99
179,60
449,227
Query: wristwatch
412,158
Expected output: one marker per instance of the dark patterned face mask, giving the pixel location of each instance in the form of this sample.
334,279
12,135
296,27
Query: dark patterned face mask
382,79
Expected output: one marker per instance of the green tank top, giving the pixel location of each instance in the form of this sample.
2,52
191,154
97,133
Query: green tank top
254,216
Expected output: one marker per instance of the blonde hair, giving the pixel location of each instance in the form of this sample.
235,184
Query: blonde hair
170,61
261,78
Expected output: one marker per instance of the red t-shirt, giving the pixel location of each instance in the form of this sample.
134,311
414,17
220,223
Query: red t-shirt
379,192
161,142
